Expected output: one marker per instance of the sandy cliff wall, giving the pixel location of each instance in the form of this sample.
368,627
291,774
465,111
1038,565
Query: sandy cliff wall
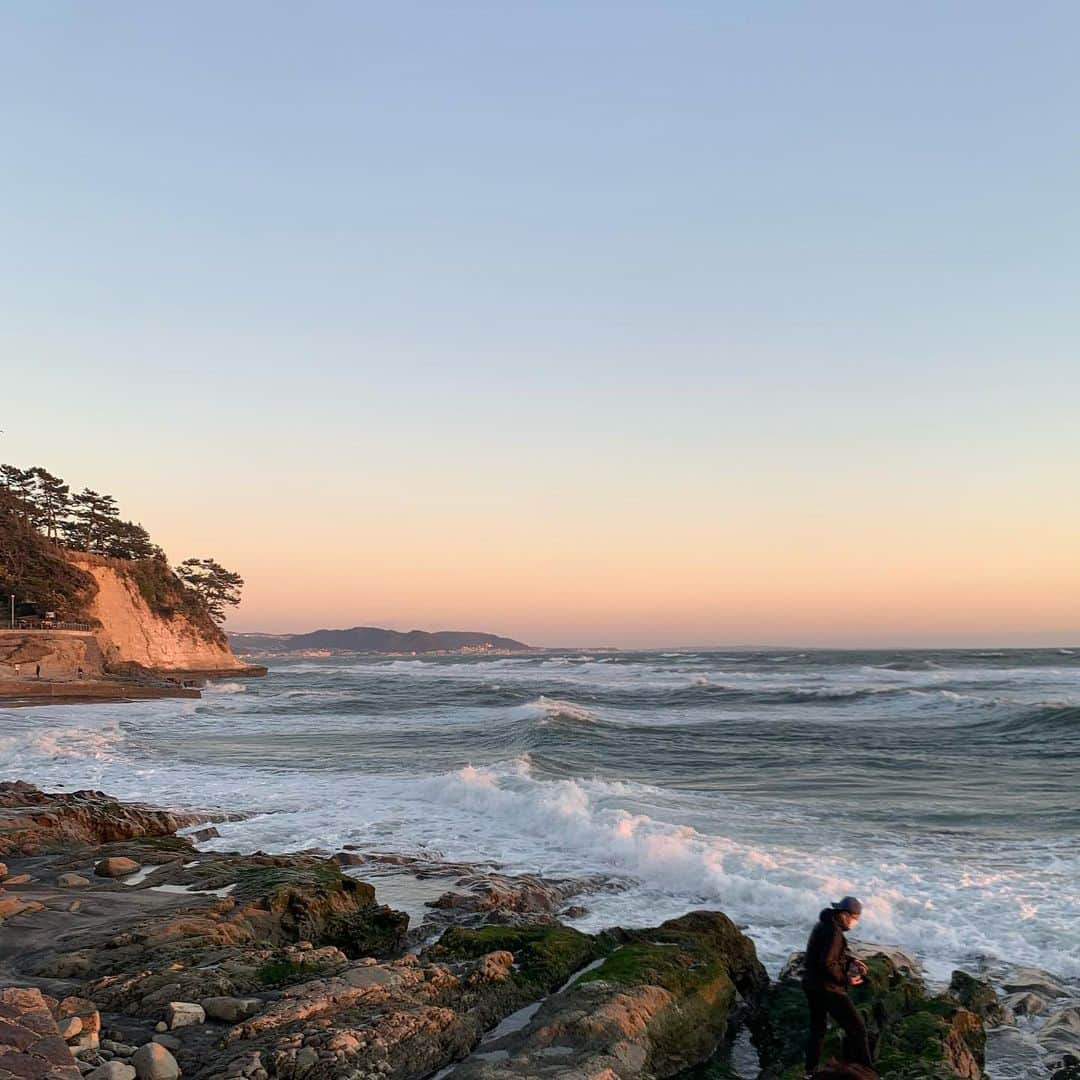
130,631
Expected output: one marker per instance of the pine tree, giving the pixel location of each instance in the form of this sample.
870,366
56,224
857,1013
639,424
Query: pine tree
127,540
51,498
93,519
216,586
20,483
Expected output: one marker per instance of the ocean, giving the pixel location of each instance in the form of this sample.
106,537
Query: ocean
942,788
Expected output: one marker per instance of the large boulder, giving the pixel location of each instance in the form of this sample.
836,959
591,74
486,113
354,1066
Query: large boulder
179,1014
230,1010
659,1003
154,1062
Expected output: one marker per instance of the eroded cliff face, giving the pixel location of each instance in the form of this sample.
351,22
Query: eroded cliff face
131,631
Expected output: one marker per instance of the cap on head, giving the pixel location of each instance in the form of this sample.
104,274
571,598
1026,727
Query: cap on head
850,904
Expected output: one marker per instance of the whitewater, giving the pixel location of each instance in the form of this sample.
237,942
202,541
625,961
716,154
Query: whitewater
940,787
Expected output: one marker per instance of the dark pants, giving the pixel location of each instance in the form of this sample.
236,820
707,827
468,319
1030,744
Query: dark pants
826,1003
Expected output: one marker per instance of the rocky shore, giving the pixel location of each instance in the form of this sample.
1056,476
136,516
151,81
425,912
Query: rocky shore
128,954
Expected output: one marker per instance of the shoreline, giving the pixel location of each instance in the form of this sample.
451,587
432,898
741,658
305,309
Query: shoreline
23,693
29,692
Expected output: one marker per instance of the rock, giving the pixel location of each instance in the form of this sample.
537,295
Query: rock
230,1010
11,906
118,1048
306,1059
154,1062
89,1035
113,1070
3,871
35,821
978,996
69,1027
494,967
348,858
180,1014
72,881
200,836
117,866
660,1003
1035,981
170,1042
161,1026
1025,1003
1059,1037
18,879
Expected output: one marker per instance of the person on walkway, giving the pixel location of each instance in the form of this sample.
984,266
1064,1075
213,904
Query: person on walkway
830,970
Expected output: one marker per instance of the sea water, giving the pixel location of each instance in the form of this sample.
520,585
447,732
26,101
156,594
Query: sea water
939,787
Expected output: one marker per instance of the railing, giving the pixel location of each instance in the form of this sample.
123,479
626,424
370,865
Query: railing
45,625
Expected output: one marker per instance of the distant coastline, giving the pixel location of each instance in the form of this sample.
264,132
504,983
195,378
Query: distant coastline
374,639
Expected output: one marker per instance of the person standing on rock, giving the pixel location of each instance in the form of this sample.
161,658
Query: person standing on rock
830,970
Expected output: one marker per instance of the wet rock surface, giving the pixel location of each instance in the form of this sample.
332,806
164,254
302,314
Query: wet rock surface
33,821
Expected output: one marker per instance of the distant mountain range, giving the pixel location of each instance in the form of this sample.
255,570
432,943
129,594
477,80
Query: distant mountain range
372,639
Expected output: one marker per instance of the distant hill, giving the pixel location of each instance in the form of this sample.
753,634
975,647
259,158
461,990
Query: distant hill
375,640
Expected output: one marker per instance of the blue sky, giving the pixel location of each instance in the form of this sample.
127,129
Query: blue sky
659,254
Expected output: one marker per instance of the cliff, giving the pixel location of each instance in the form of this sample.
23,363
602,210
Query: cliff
145,618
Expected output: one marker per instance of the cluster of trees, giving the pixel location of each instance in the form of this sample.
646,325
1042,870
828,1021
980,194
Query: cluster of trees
90,521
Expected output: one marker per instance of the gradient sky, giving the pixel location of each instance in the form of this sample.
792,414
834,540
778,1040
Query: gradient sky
597,323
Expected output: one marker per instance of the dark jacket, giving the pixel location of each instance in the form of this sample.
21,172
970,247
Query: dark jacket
827,956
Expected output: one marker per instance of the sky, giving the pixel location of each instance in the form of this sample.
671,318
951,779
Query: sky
587,323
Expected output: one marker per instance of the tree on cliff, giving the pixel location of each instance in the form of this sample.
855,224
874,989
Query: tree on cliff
217,586
20,483
93,518
50,499
127,540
